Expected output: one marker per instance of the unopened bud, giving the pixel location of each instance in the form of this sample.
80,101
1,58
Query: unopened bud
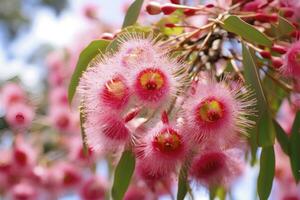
175,1
107,36
169,25
266,18
210,5
277,62
278,49
287,12
168,8
189,12
153,8
265,54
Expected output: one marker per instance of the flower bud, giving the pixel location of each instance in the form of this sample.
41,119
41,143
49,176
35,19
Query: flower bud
168,8
153,8
276,62
175,1
262,17
265,54
107,36
279,49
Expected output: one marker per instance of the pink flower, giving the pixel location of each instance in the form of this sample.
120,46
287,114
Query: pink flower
23,191
105,130
216,167
138,193
103,85
19,116
93,189
11,93
217,111
58,96
291,66
155,82
62,119
70,176
136,49
162,150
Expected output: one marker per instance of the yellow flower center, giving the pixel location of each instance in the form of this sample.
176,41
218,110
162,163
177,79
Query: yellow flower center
210,110
167,141
151,79
116,88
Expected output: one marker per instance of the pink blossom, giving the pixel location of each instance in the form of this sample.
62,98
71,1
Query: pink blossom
291,66
217,111
103,85
162,149
19,116
24,191
216,167
93,189
62,119
58,96
105,130
11,93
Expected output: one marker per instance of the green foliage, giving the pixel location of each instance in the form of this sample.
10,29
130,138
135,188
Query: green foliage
266,173
123,174
94,48
266,135
295,148
133,13
284,27
236,25
282,138
182,184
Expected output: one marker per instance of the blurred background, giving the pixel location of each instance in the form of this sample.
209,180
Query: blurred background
37,37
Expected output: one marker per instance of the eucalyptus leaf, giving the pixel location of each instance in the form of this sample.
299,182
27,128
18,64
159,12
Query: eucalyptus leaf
266,173
123,175
248,32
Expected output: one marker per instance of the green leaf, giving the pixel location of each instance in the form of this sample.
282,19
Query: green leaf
295,148
285,27
133,13
266,173
236,25
266,135
123,174
182,184
94,48
282,137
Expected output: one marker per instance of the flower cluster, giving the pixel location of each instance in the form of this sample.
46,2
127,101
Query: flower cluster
141,98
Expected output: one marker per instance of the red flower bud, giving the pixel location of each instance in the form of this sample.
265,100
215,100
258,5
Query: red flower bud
107,36
287,12
210,5
189,12
175,1
266,18
153,8
265,54
168,9
278,49
277,62
169,25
